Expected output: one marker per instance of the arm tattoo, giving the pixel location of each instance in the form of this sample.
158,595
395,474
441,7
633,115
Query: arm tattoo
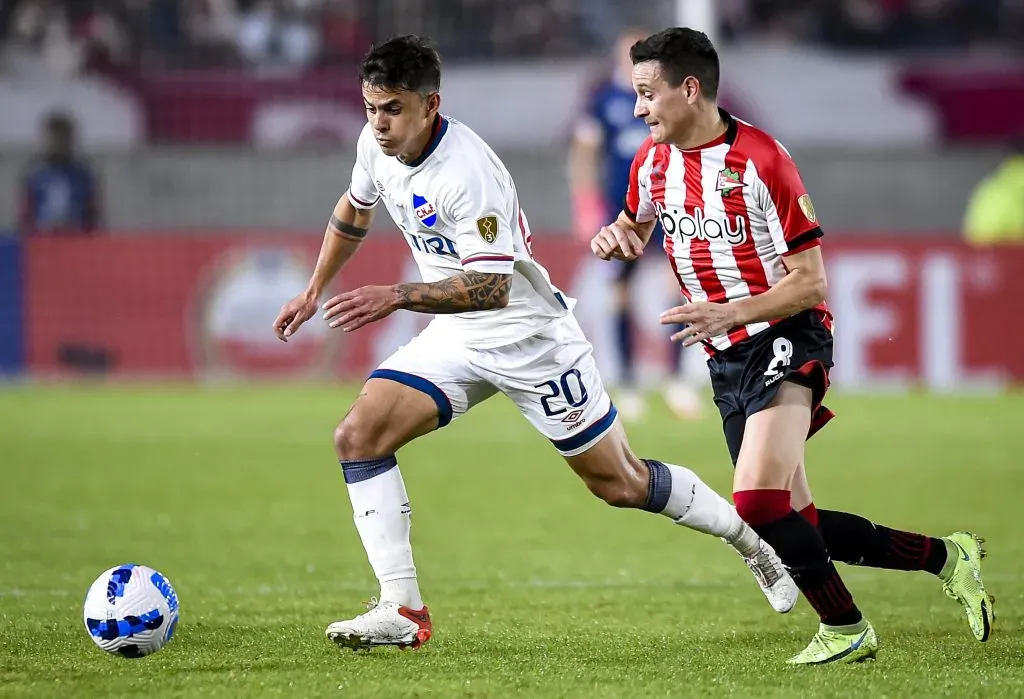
469,291
347,230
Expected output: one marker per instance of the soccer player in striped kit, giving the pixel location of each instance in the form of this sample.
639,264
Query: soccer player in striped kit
745,244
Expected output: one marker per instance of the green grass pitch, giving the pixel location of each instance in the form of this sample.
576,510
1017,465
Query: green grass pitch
536,588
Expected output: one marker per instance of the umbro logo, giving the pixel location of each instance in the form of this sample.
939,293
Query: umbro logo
573,416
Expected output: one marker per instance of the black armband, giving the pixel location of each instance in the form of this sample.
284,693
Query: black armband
347,229
804,238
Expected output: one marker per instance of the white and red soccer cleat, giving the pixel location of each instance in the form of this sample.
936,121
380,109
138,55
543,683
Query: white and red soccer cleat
384,624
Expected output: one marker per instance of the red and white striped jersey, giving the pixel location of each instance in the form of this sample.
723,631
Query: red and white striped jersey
731,210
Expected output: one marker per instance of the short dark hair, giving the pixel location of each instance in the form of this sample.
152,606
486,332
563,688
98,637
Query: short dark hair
682,52
403,63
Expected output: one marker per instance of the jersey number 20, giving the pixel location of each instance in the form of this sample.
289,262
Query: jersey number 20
569,386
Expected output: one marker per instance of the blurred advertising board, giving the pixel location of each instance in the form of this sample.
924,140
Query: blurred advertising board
922,312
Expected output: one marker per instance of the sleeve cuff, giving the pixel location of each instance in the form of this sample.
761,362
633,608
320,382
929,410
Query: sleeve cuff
490,263
804,241
630,214
362,203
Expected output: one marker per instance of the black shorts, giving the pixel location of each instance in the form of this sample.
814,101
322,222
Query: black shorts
746,376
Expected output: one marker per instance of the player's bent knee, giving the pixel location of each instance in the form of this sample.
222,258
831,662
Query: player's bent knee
763,471
386,416
360,437
773,446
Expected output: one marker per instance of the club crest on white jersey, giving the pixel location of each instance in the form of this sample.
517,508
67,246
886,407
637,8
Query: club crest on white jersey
425,211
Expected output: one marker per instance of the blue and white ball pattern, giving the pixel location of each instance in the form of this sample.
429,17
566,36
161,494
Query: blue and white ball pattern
131,611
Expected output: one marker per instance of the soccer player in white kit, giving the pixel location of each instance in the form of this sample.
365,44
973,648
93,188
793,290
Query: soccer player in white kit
500,326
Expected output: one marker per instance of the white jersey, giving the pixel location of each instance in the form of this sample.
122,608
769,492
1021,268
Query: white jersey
457,207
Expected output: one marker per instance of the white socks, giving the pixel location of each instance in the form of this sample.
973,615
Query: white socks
380,508
405,591
693,504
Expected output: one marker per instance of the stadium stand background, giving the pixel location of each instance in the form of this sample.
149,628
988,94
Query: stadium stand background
220,133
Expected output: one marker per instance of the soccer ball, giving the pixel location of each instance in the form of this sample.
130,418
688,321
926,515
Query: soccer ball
131,611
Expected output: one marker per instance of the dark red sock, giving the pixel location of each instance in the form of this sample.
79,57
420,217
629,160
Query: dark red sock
810,513
762,506
802,550
857,541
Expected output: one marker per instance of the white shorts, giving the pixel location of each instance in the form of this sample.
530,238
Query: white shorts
550,376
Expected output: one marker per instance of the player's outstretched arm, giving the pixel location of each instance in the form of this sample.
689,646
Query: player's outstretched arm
804,287
623,239
468,291
345,232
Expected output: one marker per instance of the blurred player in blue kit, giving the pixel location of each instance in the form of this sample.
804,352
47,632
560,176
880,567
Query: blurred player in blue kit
605,139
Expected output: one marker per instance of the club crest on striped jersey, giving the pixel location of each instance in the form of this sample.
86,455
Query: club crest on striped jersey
425,211
729,181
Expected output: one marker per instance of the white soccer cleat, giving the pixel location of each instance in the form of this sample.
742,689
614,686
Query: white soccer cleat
773,578
385,624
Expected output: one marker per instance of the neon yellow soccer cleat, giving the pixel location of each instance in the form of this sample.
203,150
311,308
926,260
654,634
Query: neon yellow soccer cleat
839,644
963,582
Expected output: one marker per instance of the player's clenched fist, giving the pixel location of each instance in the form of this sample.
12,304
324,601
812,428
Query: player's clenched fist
617,241
293,314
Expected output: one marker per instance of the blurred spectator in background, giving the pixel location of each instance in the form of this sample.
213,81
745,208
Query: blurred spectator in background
71,36
995,212
207,32
60,192
933,24
65,37
857,24
280,33
346,35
